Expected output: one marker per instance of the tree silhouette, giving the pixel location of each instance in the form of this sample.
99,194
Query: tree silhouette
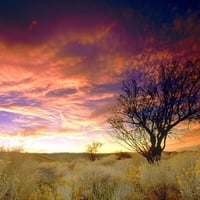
92,150
149,110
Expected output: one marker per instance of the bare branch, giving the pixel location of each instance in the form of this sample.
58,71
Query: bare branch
147,112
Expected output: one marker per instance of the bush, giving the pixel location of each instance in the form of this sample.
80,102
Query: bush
159,182
94,183
22,178
189,182
123,155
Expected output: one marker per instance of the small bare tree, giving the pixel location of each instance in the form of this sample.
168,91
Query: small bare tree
92,150
148,111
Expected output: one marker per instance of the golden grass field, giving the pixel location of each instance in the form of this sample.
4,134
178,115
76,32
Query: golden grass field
67,176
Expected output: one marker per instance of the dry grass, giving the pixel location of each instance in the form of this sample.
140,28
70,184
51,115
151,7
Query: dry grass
74,177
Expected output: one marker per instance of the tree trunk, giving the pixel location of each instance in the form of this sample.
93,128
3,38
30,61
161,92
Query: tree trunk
154,154
92,156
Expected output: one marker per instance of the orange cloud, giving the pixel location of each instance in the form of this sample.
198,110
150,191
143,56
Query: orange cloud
62,82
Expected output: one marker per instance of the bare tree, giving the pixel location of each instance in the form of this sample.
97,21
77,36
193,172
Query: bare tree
148,111
93,149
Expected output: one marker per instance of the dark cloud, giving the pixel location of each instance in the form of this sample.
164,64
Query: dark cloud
137,20
61,92
77,48
14,98
51,17
105,88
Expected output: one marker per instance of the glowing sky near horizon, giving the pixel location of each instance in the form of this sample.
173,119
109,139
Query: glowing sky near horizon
62,63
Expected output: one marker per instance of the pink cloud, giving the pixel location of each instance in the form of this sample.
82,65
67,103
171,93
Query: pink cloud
74,68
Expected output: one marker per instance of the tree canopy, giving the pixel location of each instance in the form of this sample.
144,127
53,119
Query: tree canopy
92,150
149,110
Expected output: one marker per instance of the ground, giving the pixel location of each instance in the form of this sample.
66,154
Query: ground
67,176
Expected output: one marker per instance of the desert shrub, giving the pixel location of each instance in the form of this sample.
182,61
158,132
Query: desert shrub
186,166
189,182
103,182
159,182
77,164
106,161
124,191
17,178
93,149
52,182
23,178
182,161
94,183
123,155
16,149
127,187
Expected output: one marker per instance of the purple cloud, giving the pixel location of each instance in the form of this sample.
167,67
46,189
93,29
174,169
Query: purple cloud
61,92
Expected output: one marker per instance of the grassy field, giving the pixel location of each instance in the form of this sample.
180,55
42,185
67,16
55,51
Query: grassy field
67,176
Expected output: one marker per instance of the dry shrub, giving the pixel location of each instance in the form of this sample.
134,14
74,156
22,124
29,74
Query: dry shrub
107,161
159,182
94,183
25,179
97,182
17,177
189,181
77,164
22,178
123,155
52,182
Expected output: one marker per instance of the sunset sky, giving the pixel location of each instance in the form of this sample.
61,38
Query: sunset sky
62,63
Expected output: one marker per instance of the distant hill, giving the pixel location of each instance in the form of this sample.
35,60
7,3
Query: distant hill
190,148
186,141
48,157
